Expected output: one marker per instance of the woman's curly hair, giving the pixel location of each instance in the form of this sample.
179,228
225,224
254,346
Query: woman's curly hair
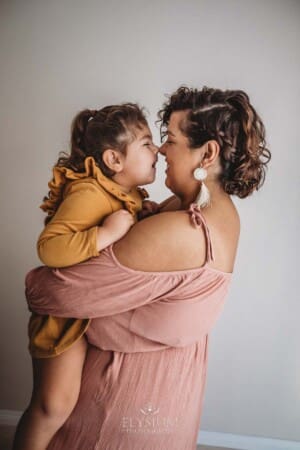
228,118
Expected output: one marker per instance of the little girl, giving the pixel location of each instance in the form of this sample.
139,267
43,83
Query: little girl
93,200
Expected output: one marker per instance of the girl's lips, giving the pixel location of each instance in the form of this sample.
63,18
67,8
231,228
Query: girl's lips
154,164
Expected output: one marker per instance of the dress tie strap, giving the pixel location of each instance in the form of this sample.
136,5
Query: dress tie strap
199,221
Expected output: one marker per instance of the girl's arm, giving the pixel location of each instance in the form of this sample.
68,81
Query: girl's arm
170,204
149,207
73,235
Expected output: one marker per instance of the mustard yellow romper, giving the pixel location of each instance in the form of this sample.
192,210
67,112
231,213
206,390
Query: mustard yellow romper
85,199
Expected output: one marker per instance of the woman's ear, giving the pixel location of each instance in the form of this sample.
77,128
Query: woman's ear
113,159
212,151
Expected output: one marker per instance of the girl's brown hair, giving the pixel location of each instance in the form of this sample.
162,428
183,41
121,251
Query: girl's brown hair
94,131
229,118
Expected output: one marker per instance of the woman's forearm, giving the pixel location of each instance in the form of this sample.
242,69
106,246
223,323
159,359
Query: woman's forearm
95,288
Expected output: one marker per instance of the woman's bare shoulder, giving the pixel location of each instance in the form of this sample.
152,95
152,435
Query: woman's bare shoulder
163,242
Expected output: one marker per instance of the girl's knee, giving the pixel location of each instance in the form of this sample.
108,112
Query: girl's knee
54,407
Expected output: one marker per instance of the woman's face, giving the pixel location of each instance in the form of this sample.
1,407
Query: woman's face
181,160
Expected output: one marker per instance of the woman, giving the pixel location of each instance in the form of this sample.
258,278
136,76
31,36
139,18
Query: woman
155,294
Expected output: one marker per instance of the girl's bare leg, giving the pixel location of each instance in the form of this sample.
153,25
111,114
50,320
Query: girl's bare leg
56,386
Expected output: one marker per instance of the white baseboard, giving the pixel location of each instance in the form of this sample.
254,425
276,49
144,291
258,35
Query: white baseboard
242,442
226,440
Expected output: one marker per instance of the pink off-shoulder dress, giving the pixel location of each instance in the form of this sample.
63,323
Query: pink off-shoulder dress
145,372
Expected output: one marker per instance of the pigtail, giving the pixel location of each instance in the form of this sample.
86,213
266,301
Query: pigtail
75,160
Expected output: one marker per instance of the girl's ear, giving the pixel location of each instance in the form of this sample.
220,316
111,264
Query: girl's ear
113,159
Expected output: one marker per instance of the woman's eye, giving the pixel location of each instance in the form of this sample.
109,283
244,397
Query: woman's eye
169,142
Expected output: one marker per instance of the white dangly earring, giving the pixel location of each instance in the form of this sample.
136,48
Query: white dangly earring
200,173
203,198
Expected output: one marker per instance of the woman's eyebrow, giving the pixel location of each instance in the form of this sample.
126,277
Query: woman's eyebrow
170,132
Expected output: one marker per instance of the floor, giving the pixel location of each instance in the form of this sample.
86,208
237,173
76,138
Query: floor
7,433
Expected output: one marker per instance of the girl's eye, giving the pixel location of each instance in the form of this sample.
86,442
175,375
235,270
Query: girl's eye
149,144
169,142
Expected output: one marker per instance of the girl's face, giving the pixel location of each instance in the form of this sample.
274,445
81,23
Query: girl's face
181,160
139,163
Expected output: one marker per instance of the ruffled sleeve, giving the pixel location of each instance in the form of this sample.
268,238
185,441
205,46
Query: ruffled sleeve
61,176
64,175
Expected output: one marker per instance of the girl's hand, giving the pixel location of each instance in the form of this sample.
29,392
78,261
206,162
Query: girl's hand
113,228
118,223
148,209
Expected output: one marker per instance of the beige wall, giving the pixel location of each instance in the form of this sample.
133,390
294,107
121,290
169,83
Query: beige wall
60,56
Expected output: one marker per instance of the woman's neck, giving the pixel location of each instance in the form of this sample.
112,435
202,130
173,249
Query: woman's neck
215,190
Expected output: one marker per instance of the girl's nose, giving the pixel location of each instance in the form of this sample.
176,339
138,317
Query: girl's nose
155,149
162,149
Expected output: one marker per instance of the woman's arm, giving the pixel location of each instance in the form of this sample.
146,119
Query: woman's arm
139,309
101,287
